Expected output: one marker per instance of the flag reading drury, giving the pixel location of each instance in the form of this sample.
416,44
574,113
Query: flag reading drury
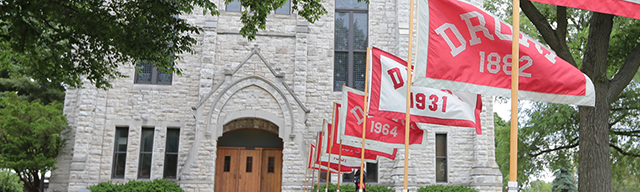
461,47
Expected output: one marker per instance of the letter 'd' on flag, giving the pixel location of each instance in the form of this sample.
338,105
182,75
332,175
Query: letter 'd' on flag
463,48
435,106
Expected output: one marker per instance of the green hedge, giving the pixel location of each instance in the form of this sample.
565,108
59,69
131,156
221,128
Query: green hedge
158,185
352,188
441,188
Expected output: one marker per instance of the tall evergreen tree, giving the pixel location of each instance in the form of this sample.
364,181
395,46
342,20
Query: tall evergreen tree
564,181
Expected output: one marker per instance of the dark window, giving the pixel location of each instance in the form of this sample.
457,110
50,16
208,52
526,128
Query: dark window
271,165
249,164
227,163
441,157
146,152
234,6
350,44
372,174
146,73
120,152
323,176
171,154
284,10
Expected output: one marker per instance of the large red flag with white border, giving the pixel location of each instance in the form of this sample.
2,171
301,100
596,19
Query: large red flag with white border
370,154
626,8
380,131
463,48
388,89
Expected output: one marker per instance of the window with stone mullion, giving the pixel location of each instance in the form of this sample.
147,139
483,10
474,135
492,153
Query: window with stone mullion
350,44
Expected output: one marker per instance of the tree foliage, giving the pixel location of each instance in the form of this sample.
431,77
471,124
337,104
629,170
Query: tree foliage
29,89
538,186
10,182
564,181
65,41
30,138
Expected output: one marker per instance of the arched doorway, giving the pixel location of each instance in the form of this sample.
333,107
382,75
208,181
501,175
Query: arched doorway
249,157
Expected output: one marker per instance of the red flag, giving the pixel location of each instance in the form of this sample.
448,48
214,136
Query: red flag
351,151
463,48
626,8
381,132
322,166
435,106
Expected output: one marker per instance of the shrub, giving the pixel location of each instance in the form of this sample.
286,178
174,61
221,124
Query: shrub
158,185
441,188
10,182
352,188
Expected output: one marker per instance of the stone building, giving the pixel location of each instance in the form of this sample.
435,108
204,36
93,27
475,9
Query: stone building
267,98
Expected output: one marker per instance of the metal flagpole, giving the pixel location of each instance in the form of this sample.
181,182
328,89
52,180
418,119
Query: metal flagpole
408,114
330,145
366,113
515,68
339,165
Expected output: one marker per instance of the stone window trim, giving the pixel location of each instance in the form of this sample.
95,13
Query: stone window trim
352,53
441,157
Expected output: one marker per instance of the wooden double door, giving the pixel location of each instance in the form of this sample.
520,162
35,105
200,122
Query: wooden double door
248,170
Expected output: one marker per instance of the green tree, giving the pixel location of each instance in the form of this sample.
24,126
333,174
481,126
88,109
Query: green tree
30,138
538,186
606,48
64,41
9,182
29,89
564,181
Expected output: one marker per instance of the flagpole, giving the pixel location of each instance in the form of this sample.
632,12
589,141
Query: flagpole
339,165
313,164
313,172
515,65
408,101
366,113
330,145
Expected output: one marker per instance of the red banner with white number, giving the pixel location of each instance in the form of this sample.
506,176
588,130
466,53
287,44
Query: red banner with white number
626,8
463,48
370,154
380,131
435,106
